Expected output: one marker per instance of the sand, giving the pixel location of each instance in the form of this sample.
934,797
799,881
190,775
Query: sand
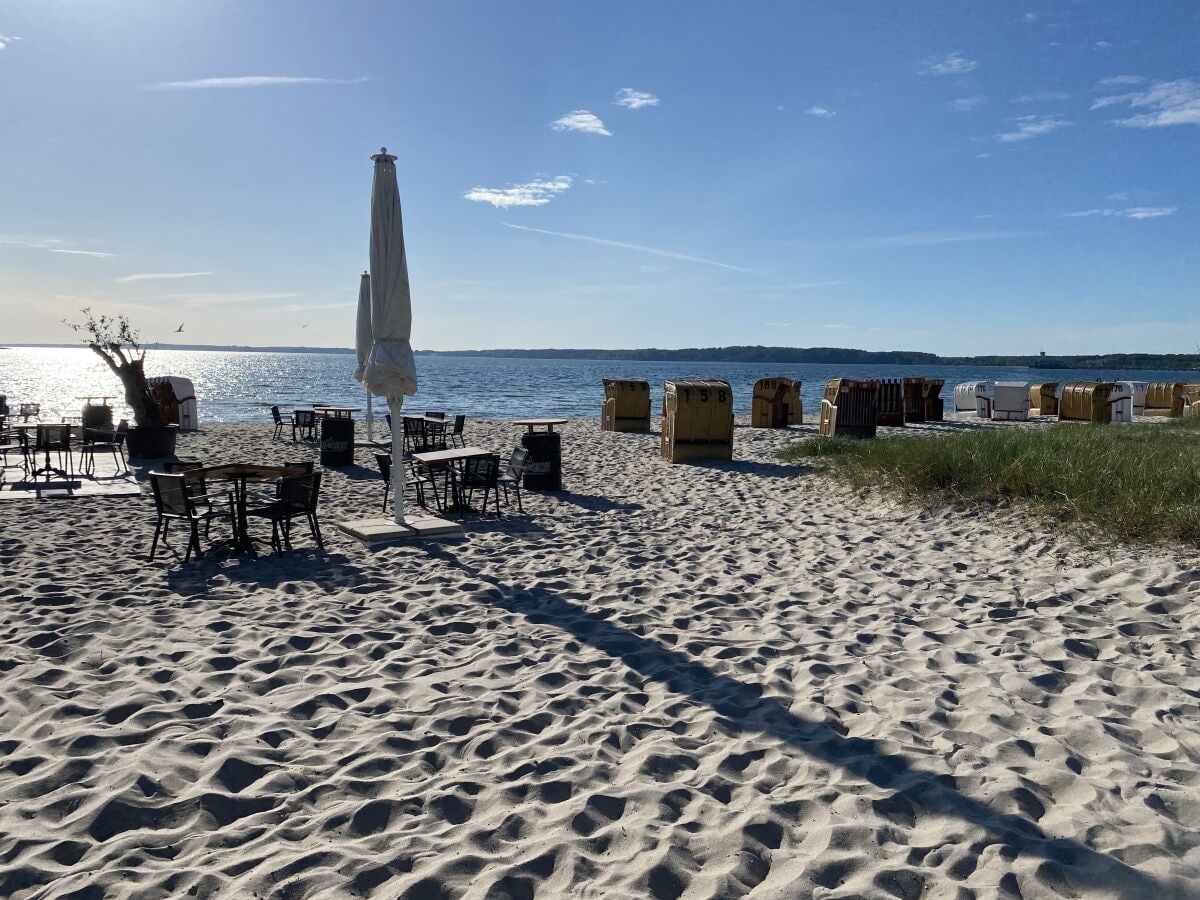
725,680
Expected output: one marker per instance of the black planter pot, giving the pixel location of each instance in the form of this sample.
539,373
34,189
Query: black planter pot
151,442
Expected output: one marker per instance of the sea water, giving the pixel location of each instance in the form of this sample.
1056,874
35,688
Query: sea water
242,386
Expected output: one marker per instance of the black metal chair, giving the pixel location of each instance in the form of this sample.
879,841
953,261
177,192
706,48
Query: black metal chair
481,473
13,442
104,440
174,502
435,437
435,414
457,438
304,423
305,465
418,480
510,475
298,498
29,411
277,419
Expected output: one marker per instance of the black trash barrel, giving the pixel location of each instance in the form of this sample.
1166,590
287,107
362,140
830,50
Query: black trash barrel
95,416
543,466
337,441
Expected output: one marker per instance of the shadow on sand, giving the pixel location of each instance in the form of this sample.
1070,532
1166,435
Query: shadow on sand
594,502
743,708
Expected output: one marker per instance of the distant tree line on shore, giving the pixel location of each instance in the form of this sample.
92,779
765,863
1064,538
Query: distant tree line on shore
845,356
1177,362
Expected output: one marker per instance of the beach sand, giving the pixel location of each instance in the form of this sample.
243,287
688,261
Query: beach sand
722,680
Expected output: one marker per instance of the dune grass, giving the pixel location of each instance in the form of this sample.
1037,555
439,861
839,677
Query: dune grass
1131,483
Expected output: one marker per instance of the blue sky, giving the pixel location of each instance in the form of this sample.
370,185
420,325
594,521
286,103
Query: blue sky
952,177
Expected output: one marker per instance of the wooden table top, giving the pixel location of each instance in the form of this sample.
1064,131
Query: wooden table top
534,423
248,471
444,456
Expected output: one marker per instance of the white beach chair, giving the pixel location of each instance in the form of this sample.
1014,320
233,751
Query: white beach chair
1137,393
974,396
1010,401
1121,401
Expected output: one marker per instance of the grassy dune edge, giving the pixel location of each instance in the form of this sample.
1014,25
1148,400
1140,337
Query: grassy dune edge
1135,483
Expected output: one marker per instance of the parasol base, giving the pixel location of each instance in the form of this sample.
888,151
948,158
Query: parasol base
383,532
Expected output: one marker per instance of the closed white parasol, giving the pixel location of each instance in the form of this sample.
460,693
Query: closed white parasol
390,371
362,342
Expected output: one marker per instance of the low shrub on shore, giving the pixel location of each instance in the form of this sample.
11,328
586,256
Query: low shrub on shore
1129,482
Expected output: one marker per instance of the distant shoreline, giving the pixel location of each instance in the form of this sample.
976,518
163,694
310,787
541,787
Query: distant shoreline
1175,362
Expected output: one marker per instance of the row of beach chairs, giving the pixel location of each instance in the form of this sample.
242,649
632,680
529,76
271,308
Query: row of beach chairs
1081,401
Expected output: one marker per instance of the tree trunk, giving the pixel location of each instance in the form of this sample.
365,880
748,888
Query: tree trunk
137,394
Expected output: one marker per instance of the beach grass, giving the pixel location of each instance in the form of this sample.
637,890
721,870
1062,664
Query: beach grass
1132,483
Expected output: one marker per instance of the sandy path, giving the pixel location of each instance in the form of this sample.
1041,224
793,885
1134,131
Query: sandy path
689,681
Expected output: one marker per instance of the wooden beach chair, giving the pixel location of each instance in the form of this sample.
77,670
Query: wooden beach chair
1191,399
931,396
697,420
1137,393
850,408
1010,401
626,405
1164,398
914,399
889,408
974,396
1086,401
1043,399
776,403
1120,402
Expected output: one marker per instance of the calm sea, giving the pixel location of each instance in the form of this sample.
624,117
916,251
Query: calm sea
234,387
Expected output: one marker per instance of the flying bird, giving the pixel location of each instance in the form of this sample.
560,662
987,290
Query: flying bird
305,326
179,329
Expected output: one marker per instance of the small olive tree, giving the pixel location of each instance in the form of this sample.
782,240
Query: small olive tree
115,341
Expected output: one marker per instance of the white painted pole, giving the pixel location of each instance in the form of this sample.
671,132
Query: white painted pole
398,474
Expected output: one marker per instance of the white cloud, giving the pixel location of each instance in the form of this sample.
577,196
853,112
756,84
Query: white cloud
1042,97
951,64
6,39
581,120
846,327
98,254
1167,102
244,81
1032,126
52,245
538,192
1030,17
641,248
1119,195
160,276
1133,212
1102,45
778,324
632,99
966,104
1120,80
820,112
935,238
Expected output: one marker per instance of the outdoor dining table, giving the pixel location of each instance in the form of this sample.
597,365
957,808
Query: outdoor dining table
239,475
534,424
451,460
27,428
337,412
